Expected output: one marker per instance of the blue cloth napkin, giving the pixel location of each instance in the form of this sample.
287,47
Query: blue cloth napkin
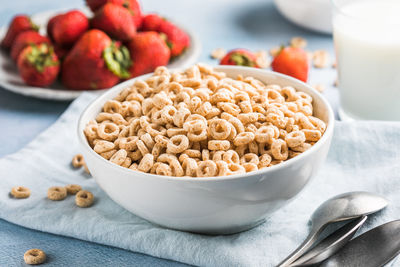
363,156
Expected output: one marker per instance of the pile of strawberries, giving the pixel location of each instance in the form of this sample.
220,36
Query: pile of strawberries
117,43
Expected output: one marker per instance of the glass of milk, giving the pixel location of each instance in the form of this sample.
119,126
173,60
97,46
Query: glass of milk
367,44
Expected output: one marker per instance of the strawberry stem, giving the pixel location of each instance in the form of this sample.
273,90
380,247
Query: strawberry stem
117,60
242,60
41,57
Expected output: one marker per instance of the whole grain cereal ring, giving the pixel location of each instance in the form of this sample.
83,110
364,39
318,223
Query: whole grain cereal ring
173,163
219,129
72,189
147,140
56,193
196,136
78,161
161,140
301,148
232,133
279,149
230,156
219,145
175,131
108,131
180,116
230,108
155,129
157,150
142,147
91,132
34,256
190,167
264,161
250,167
217,156
100,147
295,138
127,162
234,168
264,134
194,125
84,199
129,143
119,157
241,150
243,138
205,154
249,158
167,113
134,166
193,153
177,144
112,106
146,163
253,147
107,155
207,168
20,192
163,169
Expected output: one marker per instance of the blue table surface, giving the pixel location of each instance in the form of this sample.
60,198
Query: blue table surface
253,24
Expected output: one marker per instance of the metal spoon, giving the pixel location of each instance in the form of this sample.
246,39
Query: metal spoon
374,248
331,244
339,208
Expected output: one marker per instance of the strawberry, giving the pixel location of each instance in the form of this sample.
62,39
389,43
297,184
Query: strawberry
95,62
115,21
19,24
292,61
177,39
148,51
24,39
38,65
67,28
61,52
151,22
240,57
132,6
50,25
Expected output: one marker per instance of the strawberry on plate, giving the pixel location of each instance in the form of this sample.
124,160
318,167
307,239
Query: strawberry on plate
131,5
114,20
95,62
25,39
38,65
292,61
151,22
177,39
67,28
50,24
18,24
148,51
240,57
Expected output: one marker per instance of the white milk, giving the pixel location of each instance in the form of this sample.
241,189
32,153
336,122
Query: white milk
367,42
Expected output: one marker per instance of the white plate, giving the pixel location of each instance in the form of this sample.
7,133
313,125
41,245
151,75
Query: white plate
10,79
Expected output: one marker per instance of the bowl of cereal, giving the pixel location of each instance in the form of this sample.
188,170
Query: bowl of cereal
206,150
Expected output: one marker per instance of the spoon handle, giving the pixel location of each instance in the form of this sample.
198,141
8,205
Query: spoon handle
299,250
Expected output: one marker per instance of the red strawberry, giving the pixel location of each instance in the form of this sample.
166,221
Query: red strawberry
50,25
67,28
25,39
177,39
115,21
148,51
38,65
292,61
19,24
95,62
132,6
240,57
61,52
151,22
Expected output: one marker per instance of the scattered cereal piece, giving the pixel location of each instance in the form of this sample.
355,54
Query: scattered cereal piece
72,189
84,199
262,59
56,193
321,59
34,256
218,53
319,87
298,42
20,192
78,161
275,50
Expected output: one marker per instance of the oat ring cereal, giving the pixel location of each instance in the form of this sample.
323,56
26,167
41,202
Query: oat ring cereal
201,123
56,193
20,192
34,256
72,189
78,160
84,199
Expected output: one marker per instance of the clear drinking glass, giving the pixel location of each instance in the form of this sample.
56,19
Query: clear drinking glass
367,43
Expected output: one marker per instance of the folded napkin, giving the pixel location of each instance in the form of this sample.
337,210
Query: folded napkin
363,156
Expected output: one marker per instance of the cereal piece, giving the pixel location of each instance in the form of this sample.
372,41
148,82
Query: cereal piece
218,53
262,60
231,156
219,129
100,147
207,168
319,87
243,138
84,199
264,161
34,256
108,131
78,161
279,149
275,51
312,135
234,168
218,145
250,167
298,42
177,144
57,193
190,167
320,59
20,192
72,189
146,163
295,138
119,157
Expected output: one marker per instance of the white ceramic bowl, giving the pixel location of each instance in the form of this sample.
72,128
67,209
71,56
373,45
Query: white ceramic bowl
311,14
210,205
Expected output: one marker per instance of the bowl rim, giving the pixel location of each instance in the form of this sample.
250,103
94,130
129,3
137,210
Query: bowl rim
325,137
